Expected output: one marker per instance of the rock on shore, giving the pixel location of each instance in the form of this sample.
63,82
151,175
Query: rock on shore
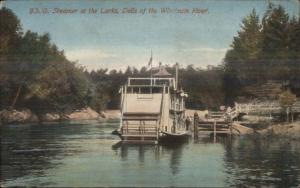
17,116
26,116
84,114
111,114
50,117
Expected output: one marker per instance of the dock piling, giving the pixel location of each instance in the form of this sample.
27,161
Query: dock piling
196,120
215,130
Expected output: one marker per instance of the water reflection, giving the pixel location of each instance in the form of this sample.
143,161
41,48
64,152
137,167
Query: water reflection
78,154
176,151
173,150
33,148
254,161
138,149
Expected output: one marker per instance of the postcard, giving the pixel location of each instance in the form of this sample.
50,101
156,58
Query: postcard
150,93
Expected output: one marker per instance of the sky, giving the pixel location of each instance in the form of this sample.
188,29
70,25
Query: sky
115,41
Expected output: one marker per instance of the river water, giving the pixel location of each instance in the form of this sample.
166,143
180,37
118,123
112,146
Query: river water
86,154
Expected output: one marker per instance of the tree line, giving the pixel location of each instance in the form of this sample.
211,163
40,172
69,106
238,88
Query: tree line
266,48
35,73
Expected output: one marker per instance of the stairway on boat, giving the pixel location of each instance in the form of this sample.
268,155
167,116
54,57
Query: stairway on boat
140,127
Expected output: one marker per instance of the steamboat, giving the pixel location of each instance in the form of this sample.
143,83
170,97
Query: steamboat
153,108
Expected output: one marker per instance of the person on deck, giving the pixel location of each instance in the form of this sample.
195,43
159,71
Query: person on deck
187,123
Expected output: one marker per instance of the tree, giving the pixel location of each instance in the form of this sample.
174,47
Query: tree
262,51
275,33
34,53
10,33
61,87
22,57
293,43
287,99
204,87
245,50
98,89
247,45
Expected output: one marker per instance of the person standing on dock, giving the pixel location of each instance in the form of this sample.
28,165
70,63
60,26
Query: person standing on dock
187,123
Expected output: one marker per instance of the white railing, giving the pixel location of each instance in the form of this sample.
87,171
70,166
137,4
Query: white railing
177,106
264,107
259,108
151,81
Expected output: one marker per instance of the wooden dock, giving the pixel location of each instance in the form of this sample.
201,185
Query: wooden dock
220,122
215,123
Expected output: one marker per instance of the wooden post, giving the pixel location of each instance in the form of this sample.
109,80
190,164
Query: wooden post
157,129
176,74
215,129
230,124
126,127
196,120
287,114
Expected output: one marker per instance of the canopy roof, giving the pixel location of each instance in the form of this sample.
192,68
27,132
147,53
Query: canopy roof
162,72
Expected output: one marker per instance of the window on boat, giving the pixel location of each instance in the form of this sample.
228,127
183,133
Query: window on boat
156,90
145,90
135,90
163,82
132,90
140,82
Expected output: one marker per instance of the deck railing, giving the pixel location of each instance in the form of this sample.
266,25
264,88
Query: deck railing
176,106
151,81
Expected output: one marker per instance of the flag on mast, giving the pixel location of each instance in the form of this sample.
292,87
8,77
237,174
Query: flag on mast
150,64
150,61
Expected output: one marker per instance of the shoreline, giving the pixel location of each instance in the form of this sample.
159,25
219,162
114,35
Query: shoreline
27,116
278,130
283,130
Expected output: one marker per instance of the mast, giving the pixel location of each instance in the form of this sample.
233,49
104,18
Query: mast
150,62
176,75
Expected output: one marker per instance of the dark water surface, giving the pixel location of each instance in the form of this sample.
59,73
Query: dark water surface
85,154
